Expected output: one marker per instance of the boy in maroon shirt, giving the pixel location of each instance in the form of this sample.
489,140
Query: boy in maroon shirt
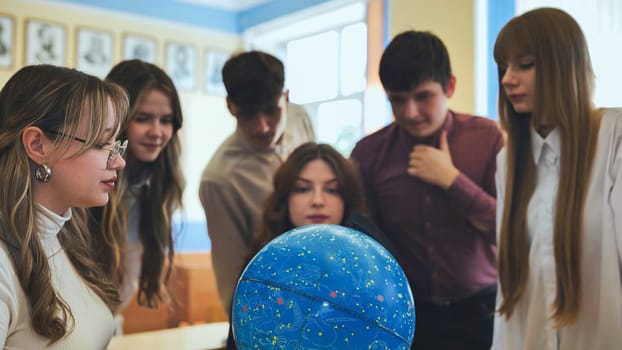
429,181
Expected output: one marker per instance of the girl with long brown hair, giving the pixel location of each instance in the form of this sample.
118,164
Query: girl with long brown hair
559,187
315,185
136,227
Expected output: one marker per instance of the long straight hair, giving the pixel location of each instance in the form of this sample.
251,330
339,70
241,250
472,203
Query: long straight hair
157,201
563,94
55,100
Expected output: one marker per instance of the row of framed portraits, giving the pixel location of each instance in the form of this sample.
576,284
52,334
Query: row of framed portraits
45,42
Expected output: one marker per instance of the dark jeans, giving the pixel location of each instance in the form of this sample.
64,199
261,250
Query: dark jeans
462,324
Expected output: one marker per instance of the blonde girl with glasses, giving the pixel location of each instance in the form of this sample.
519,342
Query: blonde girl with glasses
52,293
136,230
559,188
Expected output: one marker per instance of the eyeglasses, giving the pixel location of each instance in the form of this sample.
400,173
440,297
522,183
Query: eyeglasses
117,149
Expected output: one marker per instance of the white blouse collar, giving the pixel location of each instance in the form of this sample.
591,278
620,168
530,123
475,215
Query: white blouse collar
553,140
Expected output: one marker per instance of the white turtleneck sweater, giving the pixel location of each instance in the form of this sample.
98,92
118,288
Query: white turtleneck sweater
93,325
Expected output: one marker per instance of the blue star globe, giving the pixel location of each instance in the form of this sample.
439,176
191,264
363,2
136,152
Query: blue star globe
323,287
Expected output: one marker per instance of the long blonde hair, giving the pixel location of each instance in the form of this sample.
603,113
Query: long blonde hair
53,99
563,91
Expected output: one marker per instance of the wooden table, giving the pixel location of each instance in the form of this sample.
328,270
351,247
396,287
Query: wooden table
200,337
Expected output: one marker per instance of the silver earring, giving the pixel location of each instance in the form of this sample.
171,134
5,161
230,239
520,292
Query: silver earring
43,173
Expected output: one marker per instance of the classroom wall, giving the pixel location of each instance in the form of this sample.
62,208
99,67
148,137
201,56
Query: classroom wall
453,22
206,119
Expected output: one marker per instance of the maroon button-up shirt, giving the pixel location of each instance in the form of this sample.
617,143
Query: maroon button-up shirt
443,255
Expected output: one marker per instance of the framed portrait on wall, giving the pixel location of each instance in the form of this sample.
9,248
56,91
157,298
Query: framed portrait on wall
140,47
213,62
94,51
45,43
181,65
7,40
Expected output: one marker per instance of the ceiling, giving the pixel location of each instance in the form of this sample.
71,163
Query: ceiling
237,5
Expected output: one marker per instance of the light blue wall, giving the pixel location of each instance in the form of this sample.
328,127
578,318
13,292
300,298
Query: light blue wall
499,13
191,236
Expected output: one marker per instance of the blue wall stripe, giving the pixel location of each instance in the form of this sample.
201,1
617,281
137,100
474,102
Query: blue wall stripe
230,21
499,13
191,236
387,40
191,14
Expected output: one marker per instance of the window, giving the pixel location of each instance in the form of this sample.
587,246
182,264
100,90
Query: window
601,23
325,55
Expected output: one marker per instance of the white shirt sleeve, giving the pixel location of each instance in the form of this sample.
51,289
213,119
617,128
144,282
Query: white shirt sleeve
7,296
225,221
4,322
498,334
615,199
500,185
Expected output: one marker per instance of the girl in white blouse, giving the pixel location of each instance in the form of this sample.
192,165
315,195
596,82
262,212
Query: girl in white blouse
57,152
559,187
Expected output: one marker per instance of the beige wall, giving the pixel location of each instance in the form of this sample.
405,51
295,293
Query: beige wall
452,21
206,119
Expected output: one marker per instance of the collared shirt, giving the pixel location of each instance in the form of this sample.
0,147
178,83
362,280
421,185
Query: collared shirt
443,255
234,187
133,255
599,322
